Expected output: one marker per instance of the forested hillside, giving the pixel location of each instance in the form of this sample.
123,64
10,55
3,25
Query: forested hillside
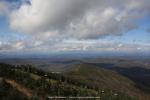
27,82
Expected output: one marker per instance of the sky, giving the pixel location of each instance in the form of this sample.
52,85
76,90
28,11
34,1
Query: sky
44,26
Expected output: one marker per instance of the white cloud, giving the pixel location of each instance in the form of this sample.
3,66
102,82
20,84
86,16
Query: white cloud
19,45
41,16
50,23
71,45
79,18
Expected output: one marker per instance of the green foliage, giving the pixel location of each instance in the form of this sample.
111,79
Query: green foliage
51,84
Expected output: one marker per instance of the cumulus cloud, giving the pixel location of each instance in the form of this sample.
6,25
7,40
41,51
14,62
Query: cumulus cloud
11,46
71,45
73,25
82,19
